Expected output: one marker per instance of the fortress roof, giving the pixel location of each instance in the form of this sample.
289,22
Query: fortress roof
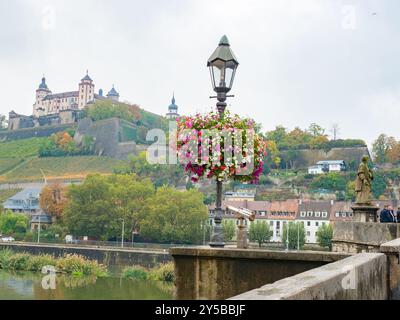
61,95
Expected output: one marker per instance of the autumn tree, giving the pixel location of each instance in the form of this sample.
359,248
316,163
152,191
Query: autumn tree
53,199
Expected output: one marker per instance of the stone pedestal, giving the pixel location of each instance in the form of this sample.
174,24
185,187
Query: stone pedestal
242,239
365,213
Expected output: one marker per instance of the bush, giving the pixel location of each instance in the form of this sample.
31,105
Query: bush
18,261
135,272
4,257
78,265
164,272
36,263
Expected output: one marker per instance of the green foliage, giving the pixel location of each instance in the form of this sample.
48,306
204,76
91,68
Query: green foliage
325,235
312,138
102,110
297,235
21,149
36,263
164,272
229,229
64,167
160,174
174,216
12,223
95,207
331,181
379,184
78,265
62,144
69,264
135,272
7,164
260,232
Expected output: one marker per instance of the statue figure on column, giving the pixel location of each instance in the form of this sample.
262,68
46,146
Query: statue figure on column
364,183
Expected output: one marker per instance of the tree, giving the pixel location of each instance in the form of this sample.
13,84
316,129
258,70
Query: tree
260,232
161,175
174,216
325,235
393,152
229,230
12,223
297,235
380,148
95,207
351,191
273,156
53,199
102,110
331,181
316,131
379,184
3,122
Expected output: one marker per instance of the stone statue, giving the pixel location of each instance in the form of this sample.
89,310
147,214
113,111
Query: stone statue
364,183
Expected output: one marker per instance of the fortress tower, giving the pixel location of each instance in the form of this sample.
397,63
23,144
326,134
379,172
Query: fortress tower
43,91
86,91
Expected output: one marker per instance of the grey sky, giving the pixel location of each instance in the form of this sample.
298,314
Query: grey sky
302,61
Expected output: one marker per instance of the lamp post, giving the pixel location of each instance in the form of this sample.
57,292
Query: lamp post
223,65
123,232
38,239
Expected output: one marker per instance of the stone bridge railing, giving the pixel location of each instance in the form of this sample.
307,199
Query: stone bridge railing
364,276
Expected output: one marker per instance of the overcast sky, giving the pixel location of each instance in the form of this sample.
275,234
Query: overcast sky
302,61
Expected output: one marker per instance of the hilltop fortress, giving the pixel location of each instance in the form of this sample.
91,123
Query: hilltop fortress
60,108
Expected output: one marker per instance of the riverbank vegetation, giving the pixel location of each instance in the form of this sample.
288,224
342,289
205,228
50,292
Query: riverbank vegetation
163,272
69,264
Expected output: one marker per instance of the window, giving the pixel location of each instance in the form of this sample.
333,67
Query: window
308,223
271,224
324,214
344,215
303,214
351,214
317,224
317,214
263,213
309,214
337,214
308,233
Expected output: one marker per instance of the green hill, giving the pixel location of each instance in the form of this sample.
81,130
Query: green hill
21,148
67,168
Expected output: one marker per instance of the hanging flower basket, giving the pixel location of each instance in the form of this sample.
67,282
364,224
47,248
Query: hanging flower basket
227,148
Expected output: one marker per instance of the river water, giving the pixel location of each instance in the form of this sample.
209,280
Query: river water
29,286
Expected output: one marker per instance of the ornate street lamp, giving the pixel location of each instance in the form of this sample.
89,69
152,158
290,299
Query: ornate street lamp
223,65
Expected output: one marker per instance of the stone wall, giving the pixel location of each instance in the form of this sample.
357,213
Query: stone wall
46,131
109,257
109,137
360,277
216,274
357,237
